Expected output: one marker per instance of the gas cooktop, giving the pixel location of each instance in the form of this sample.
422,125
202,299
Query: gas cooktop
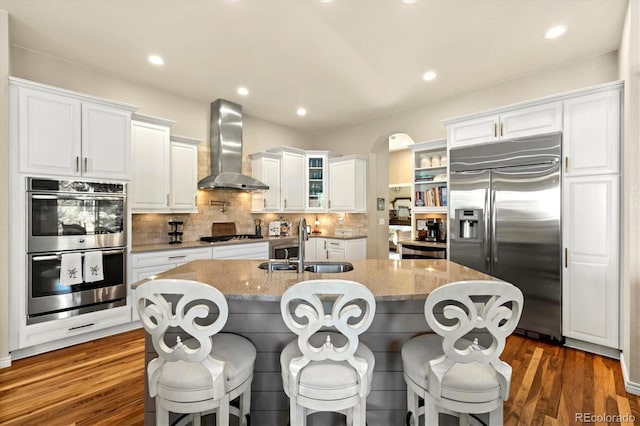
216,238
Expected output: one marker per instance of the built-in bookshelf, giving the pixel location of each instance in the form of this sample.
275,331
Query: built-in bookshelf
430,192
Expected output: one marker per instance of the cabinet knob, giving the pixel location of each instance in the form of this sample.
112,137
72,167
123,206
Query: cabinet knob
77,164
85,164
502,128
495,130
167,200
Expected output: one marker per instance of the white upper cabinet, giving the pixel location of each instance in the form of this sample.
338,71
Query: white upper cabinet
292,180
347,184
106,142
67,134
151,177
591,139
183,182
509,124
265,167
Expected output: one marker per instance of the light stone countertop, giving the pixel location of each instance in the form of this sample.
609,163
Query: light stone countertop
196,244
389,280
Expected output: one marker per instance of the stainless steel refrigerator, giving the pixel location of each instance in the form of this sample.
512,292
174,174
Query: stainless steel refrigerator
504,218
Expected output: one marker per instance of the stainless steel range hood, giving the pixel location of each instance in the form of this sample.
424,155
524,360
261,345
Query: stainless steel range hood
226,150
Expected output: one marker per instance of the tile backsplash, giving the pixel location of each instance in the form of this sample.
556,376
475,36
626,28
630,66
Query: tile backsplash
154,228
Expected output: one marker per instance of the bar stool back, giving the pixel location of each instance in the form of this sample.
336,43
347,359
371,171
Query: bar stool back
207,369
326,368
451,372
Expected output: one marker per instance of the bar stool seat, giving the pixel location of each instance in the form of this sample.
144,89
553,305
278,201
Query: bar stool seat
326,380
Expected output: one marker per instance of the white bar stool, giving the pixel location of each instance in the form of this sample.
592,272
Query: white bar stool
326,368
204,372
452,373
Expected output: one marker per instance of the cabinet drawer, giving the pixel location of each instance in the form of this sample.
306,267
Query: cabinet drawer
169,258
335,244
242,251
60,329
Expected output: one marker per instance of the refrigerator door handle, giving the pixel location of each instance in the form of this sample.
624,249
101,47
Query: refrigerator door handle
494,242
487,251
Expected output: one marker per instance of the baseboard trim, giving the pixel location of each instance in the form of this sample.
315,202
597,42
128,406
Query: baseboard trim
631,387
592,347
5,362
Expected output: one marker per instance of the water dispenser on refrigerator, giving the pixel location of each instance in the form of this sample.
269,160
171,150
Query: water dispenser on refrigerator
469,224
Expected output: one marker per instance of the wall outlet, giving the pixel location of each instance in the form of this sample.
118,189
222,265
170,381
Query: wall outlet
381,221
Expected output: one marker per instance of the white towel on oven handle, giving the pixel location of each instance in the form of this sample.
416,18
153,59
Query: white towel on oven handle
70,269
93,268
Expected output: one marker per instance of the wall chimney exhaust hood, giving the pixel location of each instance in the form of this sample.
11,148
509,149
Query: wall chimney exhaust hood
226,150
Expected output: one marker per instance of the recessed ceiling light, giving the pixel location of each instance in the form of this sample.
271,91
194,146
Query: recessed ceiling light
429,75
409,1
155,60
243,91
301,112
555,32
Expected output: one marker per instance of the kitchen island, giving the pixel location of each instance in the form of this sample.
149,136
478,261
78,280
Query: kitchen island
399,286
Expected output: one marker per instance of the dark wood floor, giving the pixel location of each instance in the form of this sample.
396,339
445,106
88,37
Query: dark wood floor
102,383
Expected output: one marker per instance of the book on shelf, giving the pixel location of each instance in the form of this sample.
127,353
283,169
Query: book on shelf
432,197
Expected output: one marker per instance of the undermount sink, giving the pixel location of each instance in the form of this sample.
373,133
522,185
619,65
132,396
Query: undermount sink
329,267
316,267
277,266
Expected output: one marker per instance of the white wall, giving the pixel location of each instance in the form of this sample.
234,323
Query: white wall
630,72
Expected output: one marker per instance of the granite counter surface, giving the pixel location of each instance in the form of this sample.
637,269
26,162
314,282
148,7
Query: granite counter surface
387,279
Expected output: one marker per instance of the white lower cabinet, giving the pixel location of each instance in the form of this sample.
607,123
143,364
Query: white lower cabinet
336,249
147,264
51,331
591,289
257,251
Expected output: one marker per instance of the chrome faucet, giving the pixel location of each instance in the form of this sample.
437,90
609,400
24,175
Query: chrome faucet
302,237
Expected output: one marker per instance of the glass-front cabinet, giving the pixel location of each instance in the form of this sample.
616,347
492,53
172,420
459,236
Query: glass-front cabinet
316,182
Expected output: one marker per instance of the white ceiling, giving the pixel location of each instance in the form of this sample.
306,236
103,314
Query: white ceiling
346,62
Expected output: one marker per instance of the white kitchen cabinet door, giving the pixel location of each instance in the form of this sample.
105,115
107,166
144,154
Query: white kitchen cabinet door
591,138
355,249
257,251
591,288
293,181
266,168
183,181
49,132
151,173
347,184
531,121
311,249
106,142
508,124
473,131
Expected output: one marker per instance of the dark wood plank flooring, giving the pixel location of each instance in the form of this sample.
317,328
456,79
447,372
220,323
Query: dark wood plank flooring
102,383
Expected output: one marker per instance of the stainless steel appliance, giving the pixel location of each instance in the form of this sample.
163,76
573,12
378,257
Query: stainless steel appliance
505,203
75,215
49,299
421,251
68,217
283,249
226,231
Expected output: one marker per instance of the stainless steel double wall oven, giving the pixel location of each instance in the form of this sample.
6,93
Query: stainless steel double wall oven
74,217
